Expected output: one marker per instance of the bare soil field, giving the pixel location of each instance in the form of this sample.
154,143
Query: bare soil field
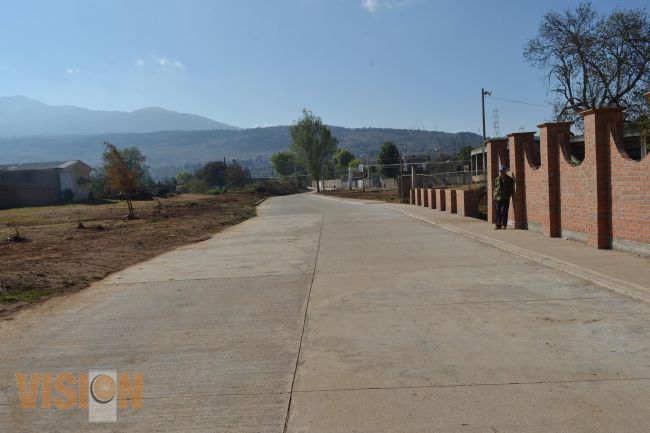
59,255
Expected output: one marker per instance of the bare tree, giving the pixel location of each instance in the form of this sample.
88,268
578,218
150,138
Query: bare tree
594,60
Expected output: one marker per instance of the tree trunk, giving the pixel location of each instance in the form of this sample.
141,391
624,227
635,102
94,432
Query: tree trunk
131,210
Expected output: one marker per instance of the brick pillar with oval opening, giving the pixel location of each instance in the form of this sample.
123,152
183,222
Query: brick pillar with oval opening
630,188
517,143
599,124
548,214
585,185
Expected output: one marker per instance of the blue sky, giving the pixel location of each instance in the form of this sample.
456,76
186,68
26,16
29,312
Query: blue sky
356,63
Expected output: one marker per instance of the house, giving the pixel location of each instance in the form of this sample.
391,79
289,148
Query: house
41,183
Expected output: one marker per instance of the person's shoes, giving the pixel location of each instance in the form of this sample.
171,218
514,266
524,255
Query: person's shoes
497,228
503,228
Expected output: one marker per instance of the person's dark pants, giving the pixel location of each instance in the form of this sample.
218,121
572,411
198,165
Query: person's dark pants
502,213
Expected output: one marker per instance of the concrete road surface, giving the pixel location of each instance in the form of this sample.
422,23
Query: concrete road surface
325,315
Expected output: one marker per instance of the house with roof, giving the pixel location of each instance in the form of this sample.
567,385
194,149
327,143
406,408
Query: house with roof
42,183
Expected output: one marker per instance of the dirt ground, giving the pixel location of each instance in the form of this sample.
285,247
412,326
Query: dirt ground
59,257
384,195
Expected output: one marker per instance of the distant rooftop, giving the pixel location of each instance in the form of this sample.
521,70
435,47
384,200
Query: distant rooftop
40,165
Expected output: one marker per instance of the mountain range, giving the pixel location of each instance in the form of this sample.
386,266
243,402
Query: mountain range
21,116
181,139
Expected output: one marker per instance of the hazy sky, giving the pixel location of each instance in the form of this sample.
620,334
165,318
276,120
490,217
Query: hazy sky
356,63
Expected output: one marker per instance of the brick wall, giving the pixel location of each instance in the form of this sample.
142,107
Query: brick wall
630,192
603,201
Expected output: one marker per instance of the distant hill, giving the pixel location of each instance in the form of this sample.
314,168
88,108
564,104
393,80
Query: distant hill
180,148
21,116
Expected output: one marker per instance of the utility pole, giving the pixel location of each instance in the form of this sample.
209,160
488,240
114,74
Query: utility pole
483,93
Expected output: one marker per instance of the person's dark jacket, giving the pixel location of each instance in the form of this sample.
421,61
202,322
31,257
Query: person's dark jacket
503,186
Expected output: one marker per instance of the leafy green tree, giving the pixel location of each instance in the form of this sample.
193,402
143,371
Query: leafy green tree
354,164
342,158
594,60
212,173
135,160
313,143
387,158
184,177
285,163
237,175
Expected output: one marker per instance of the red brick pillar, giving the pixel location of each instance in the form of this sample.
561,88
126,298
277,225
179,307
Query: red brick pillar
412,196
551,135
599,124
425,197
442,203
432,197
450,200
496,155
516,149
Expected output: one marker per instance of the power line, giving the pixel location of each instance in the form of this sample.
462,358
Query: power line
519,102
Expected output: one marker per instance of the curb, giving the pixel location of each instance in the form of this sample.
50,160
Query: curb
612,284
259,202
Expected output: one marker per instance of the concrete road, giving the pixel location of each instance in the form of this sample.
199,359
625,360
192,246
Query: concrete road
325,315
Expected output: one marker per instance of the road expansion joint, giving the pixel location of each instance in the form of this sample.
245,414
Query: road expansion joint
442,304
470,385
304,325
180,280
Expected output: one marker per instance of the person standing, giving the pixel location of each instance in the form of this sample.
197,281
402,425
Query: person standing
503,186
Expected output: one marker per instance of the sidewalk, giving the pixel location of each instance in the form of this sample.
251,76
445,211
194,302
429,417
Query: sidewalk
615,270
